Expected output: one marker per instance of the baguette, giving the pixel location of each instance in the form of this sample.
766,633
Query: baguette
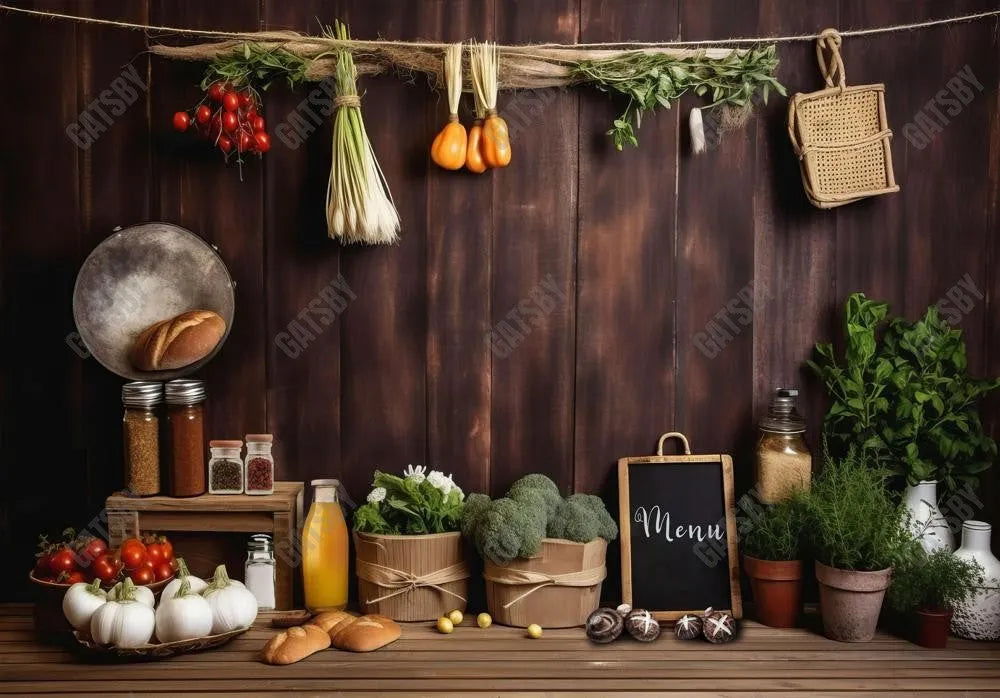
177,342
295,644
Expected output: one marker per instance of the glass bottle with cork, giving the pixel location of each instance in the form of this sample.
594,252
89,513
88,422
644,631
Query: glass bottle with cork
324,550
783,460
141,437
259,464
186,420
225,469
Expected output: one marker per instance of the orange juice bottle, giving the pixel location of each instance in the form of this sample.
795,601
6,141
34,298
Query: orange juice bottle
324,550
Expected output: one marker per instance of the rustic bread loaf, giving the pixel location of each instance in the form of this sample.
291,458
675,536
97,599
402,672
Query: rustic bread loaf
294,644
177,342
331,621
365,634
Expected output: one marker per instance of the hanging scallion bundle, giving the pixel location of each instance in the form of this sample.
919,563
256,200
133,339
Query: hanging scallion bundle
359,207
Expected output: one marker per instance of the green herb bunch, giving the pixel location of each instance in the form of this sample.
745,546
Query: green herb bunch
935,581
254,65
778,532
852,519
417,503
649,80
906,399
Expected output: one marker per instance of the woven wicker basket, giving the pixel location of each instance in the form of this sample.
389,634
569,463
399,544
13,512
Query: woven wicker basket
841,135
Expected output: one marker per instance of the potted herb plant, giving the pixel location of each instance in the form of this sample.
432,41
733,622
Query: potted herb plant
930,585
408,547
857,534
543,555
772,559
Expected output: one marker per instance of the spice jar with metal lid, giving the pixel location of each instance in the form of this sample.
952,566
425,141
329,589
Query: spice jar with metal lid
225,468
259,570
141,437
783,461
259,464
186,420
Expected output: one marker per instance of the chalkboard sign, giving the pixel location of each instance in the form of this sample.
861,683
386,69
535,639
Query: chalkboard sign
678,533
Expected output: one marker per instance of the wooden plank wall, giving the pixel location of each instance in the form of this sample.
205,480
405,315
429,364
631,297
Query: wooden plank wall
628,255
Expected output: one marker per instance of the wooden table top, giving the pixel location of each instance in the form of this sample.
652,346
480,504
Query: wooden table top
502,660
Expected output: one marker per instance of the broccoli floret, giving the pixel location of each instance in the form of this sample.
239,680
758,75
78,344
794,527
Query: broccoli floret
533,504
542,484
574,521
501,531
607,528
473,510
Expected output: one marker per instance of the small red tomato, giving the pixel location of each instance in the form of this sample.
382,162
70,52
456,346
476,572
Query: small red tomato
181,121
230,122
74,577
163,571
257,123
168,547
94,548
154,553
62,561
230,102
225,144
263,141
245,141
106,568
143,575
203,114
251,114
246,99
217,91
133,553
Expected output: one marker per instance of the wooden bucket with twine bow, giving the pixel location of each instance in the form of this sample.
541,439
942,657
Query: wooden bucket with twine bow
558,588
411,578
840,134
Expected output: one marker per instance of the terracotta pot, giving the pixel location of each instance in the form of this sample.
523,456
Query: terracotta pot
850,601
932,628
777,590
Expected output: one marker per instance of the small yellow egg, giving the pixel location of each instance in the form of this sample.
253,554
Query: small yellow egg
456,617
484,620
445,625
534,631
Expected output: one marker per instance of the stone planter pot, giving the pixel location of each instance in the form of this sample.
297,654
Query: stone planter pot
850,601
777,590
932,628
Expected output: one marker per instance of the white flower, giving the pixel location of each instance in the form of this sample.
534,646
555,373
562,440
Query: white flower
440,481
415,473
376,495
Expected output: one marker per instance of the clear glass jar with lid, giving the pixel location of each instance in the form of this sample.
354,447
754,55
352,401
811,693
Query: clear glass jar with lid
186,419
225,469
259,464
141,437
259,572
783,460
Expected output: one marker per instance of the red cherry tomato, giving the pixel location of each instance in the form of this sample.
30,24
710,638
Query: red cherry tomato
106,568
263,141
133,553
251,114
217,91
162,571
62,561
181,121
257,123
202,114
230,101
225,144
74,577
143,575
94,548
246,99
168,547
245,141
154,552
230,122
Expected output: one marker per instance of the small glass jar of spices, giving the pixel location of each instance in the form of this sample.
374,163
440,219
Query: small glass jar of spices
225,469
783,461
141,437
259,571
186,417
259,464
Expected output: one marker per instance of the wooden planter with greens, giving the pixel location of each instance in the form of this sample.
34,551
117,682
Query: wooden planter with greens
544,556
772,559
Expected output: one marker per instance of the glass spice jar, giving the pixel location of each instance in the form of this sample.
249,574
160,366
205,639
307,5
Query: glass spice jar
141,437
225,469
186,420
259,570
259,464
783,461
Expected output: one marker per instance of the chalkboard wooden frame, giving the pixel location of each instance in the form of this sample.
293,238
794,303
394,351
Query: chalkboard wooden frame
729,498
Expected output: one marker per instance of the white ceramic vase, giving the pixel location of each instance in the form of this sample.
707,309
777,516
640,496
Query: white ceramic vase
979,618
926,521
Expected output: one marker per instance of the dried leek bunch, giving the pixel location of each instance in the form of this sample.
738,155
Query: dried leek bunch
359,207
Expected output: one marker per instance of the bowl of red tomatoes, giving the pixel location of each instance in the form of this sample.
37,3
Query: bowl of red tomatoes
148,561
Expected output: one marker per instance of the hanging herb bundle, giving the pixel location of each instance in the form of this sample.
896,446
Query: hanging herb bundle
359,207
449,146
652,79
495,143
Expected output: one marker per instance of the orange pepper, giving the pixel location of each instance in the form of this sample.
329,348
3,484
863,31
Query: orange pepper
449,146
474,153
496,140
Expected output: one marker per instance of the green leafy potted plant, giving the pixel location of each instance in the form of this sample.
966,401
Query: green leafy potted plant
772,559
929,585
857,534
409,554
543,555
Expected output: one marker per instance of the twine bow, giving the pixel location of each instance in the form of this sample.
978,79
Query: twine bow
405,582
583,578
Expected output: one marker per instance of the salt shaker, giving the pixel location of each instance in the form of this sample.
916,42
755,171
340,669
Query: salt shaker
259,571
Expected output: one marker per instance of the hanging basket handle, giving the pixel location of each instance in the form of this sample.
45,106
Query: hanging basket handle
673,434
832,68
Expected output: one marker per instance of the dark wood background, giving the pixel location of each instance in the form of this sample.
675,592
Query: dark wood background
647,246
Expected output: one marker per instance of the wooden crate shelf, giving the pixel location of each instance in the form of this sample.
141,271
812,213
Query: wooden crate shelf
201,520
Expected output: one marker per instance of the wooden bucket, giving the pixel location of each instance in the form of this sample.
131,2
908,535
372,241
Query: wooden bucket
411,578
558,588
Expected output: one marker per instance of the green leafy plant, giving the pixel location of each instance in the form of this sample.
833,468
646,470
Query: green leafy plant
852,519
255,65
514,526
650,80
906,398
933,581
417,503
778,532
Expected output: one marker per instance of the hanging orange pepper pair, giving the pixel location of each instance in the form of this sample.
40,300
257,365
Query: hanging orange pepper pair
490,134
